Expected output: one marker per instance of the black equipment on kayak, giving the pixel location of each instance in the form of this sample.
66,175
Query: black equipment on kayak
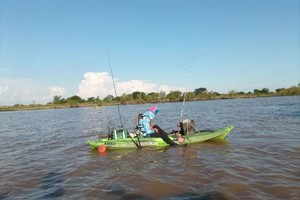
187,127
180,126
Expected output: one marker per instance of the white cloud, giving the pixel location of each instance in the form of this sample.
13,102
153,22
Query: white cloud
129,87
2,90
59,91
95,84
27,91
22,91
100,84
167,89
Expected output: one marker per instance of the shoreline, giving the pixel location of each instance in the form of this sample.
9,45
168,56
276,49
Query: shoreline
79,105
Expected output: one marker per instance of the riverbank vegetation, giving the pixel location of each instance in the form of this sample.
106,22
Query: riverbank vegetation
199,94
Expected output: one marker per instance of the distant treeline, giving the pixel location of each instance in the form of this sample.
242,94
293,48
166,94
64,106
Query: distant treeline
153,97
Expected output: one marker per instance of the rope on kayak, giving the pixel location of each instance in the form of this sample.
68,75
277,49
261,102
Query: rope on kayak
112,75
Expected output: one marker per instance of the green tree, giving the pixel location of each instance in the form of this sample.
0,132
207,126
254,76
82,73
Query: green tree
189,96
139,95
162,95
200,90
256,91
265,90
232,93
75,98
98,101
279,89
136,95
117,99
126,97
153,96
73,101
91,99
108,98
174,95
294,90
56,99
62,101
143,96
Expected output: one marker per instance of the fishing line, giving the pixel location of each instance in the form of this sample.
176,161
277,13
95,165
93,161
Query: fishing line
187,85
112,75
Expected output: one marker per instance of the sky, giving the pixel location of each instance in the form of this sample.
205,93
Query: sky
63,47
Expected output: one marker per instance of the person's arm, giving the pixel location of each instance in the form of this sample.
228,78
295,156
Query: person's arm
155,129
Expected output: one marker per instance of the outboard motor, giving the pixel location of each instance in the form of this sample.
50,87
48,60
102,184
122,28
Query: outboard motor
188,126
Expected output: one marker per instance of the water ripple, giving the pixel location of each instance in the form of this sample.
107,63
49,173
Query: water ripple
43,154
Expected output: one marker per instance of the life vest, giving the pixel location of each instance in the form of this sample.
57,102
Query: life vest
140,129
137,120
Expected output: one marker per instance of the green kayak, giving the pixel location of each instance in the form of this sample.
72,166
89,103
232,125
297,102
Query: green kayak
128,142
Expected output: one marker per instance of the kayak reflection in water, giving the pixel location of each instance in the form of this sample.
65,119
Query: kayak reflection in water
145,126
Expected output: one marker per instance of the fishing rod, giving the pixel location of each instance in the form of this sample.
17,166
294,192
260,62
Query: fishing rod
138,144
112,75
184,94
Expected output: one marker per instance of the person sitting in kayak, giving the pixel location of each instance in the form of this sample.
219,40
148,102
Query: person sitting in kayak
150,130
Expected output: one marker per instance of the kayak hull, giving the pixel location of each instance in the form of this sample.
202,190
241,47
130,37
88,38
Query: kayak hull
127,143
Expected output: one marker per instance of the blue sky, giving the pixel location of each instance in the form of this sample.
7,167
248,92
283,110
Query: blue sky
59,47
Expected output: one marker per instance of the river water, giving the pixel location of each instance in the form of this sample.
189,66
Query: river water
44,154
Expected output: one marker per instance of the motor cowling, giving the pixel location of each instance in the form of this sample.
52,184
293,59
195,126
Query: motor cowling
188,126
